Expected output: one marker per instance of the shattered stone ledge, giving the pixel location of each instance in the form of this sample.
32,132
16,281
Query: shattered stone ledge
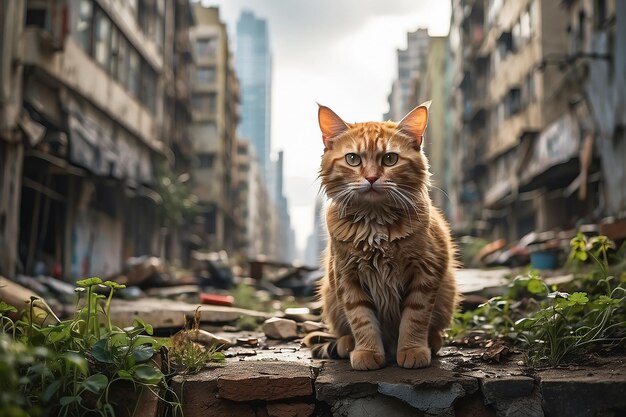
452,386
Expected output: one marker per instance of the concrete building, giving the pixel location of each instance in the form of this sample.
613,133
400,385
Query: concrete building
283,245
83,130
11,131
254,70
410,63
215,104
594,85
316,243
435,84
503,103
253,201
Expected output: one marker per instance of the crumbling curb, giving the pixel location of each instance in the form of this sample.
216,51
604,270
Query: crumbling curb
278,388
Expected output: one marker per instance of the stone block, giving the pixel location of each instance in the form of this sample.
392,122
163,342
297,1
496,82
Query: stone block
299,409
277,328
200,398
265,381
583,398
495,389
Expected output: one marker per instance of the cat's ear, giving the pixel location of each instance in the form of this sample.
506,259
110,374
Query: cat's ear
330,124
414,123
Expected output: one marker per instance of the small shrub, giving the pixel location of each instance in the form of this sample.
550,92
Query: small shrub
69,368
554,325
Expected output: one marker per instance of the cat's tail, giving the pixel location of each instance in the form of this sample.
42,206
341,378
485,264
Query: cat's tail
328,346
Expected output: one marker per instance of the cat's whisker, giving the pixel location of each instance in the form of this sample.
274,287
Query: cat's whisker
405,206
444,193
405,209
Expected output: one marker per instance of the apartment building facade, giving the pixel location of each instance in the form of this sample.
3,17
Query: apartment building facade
504,107
92,130
215,109
410,62
595,86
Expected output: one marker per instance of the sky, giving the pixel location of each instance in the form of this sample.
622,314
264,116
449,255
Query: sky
339,53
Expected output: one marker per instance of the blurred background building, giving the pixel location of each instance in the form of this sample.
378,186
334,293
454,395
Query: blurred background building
118,138
88,130
254,69
527,120
215,104
533,116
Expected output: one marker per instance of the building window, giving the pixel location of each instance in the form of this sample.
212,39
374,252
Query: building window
205,75
505,44
102,34
159,26
206,47
206,160
115,55
122,61
82,29
513,102
580,37
600,13
133,72
204,103
148,86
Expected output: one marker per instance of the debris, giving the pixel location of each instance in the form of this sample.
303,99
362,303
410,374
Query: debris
248,341
205,338
495,351
230,329
300,314
140,269
311,326
277,328
19,297
175,292
217,299
246,352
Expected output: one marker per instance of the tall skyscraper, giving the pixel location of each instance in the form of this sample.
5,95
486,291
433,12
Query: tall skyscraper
254,70
410,62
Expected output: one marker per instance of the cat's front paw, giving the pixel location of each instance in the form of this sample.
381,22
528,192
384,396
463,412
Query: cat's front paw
414,357
364,360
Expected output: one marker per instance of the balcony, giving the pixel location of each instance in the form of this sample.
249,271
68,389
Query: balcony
183,44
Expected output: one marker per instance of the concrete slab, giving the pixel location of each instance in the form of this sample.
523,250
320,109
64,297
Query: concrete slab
476,281
163,313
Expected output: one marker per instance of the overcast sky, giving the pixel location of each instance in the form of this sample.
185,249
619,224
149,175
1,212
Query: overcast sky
340,53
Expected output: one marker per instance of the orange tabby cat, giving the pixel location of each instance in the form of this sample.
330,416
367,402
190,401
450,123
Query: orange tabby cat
389,288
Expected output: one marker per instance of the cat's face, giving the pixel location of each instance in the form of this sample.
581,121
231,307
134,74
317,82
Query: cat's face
374,163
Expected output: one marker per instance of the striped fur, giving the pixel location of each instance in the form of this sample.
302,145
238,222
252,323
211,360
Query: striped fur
389,289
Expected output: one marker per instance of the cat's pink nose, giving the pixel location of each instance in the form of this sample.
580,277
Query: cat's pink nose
372,180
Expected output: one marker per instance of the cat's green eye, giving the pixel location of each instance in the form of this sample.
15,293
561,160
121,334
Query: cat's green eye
390,159
353,159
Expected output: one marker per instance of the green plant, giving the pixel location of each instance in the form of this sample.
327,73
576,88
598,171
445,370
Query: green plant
6,323
178,202
554,325
245,297
188,356
88,358
247,323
